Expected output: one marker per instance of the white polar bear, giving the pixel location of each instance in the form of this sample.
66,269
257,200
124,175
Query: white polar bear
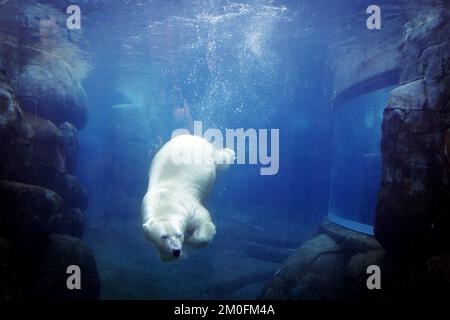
181,175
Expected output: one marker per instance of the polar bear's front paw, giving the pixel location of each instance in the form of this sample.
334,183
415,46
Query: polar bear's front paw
202,236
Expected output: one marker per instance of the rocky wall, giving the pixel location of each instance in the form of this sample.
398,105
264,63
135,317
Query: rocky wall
42,105
413,211
413,206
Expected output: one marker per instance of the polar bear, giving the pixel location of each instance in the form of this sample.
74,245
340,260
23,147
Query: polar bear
181,175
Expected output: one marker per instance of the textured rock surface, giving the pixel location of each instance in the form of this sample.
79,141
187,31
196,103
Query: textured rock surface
357,274
7,285
39,143
38,215
297,276
39,62
413,205
71,145
40,76
438,273
63,184
27,210
61,252
69,222
323,279
36,156
10,116
351,240
47,88
447,145
331,265
426,34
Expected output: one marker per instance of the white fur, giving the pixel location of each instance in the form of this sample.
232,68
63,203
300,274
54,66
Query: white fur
172,212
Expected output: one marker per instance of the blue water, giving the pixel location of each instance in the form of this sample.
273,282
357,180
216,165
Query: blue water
357,161
253,64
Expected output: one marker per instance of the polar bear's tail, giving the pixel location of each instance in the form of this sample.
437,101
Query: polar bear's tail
224,158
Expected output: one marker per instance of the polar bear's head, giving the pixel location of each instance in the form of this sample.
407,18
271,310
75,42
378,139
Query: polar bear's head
167,236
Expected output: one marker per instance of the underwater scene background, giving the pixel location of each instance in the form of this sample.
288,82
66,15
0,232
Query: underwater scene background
363,120
236,66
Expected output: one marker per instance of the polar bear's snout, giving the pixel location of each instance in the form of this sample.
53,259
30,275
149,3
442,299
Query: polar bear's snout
167,237
176,253
174,244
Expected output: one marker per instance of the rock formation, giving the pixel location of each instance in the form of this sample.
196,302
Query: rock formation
331,265
413,220
413,205
42,105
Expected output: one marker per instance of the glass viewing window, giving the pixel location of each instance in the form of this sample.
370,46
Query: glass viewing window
356,162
